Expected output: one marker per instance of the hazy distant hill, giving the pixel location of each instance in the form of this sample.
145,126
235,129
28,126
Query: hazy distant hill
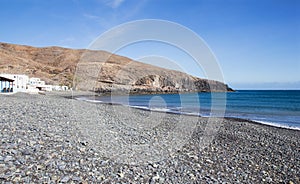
98,70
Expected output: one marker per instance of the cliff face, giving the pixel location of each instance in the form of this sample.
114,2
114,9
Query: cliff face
99,71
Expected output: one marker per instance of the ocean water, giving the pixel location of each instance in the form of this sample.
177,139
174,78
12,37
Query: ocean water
274,107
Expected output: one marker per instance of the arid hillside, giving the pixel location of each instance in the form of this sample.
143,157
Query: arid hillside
98,71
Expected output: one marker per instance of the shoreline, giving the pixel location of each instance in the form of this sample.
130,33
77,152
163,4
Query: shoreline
274,125
266,123
52,138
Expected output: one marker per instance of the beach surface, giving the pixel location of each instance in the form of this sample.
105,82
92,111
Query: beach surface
52,138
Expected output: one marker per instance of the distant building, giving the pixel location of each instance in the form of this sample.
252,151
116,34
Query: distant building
19,82
36,81
39,84
6,85
22,83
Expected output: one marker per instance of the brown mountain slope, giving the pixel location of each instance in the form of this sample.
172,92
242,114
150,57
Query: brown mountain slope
98,70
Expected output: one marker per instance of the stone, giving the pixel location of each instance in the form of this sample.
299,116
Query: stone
121,174
65,179
75,178
8,158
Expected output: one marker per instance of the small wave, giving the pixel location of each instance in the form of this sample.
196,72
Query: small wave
276,125
191,113
139,107
160,109
156,109
167,110
94,101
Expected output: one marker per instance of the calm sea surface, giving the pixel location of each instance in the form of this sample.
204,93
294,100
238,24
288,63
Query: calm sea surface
274,107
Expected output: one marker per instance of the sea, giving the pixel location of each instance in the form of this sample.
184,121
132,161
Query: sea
280,108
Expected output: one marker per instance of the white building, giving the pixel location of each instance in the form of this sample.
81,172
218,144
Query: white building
36,81
19,82
22,83
39,84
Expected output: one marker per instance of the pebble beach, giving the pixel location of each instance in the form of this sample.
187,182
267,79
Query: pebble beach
53,138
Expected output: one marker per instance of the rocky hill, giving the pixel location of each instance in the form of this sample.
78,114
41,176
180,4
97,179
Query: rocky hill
99,71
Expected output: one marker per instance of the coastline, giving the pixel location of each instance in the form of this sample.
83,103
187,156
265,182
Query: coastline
268,124
84,97
42,141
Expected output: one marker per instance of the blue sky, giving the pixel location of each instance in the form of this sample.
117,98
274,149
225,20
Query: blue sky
257,43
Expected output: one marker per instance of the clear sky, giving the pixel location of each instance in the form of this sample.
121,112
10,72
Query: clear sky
256,42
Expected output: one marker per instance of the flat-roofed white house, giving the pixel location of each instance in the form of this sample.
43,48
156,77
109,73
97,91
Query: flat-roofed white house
39,84
36,81
19,83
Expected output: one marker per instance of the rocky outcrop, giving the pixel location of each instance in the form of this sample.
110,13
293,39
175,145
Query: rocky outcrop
98,71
